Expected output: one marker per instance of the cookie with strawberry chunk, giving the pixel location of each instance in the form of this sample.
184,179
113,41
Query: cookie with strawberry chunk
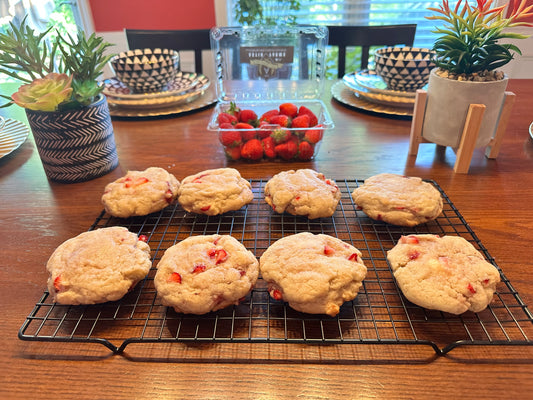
398,200
140,193
315,274
97,266
443,273
205,273
302,192
214,191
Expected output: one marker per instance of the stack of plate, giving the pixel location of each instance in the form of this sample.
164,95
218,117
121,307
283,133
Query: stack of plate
369,86
185,88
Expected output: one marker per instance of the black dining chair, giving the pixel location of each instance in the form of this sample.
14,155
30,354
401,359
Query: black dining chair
366,37
195,40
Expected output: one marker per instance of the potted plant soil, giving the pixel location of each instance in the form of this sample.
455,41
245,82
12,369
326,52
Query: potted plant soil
469,53
63,100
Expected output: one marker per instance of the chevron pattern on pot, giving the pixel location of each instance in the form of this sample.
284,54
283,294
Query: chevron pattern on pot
404,68
75,145
146,70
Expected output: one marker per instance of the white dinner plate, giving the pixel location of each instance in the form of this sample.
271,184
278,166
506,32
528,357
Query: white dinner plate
380,98
344,95
371,81
12,136
184,82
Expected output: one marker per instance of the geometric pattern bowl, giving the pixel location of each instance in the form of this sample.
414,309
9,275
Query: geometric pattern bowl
404,68
146,70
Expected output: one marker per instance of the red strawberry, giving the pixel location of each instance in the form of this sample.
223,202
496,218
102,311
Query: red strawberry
280,135
301,121
314,135
353,257
409,239
313,120
174,277
264,130
248,116
247,131
226,118
267,115
281,120
229,136
252,150
305,151
221,255
288,109
268,147
199,268
328,250
233,110
287,150
57,283
137,182
276,294
143,238
233,153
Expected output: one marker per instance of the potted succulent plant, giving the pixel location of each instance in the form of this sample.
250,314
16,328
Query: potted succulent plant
469,53
60,92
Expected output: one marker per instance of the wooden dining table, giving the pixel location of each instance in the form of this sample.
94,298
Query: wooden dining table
493,200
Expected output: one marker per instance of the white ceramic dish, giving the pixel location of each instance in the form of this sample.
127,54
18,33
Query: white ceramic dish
384,99
346,96
13,134
184,82
371,81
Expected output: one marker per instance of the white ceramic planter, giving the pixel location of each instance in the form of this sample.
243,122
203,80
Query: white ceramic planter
447,106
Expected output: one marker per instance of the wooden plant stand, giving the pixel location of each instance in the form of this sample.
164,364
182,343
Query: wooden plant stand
470,131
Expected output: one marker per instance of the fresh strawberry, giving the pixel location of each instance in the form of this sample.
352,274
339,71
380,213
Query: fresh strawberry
301,121
252,150
233,153
248,116
234,110
288,109
280,135
287,150
281,120
313,120
226,118
267,115
174,277
228,136
314,135
264,130
247,131
268,147
305,151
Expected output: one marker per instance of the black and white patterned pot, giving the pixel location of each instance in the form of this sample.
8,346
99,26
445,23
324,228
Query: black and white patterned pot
75,145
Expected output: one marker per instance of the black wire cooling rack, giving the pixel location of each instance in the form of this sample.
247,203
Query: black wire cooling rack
378,315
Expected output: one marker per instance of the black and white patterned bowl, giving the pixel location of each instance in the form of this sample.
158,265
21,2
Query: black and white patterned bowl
146,70
404,68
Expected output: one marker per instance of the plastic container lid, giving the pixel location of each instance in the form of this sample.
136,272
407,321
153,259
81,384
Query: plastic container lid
269,62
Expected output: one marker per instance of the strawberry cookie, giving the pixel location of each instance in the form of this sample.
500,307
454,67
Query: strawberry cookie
205,273
214,191
398,200
443,273
302,192
97,266
315,274
140,193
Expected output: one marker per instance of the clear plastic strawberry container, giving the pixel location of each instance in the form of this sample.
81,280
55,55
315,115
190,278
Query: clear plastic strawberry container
259,69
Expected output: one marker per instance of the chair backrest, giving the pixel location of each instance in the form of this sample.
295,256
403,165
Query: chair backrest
181,40
367,36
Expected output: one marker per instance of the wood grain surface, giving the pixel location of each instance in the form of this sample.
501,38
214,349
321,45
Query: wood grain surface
495,199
